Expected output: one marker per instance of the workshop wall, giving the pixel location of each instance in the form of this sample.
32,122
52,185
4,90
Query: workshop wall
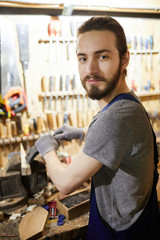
54,56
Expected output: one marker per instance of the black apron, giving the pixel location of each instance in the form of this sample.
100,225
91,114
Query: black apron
147,227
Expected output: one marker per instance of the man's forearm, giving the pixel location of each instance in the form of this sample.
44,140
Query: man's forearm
59,174
67,179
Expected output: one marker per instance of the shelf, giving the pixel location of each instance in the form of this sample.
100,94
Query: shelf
75,93
8,141
61,40
144,52
65,40
47,8
148,95
61,93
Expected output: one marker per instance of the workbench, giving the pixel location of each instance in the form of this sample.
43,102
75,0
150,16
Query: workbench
71,230
74,229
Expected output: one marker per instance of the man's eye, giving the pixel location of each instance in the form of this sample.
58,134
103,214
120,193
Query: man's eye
82,59
103,57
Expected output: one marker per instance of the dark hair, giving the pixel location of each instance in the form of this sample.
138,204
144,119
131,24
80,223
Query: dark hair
110,24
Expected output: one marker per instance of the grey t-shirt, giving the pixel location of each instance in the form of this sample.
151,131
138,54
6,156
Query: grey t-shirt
121,139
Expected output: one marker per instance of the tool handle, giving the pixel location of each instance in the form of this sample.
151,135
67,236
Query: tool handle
19,122
135,42
8,127
146,43
51,28
2,134
14,128
141,42
151,42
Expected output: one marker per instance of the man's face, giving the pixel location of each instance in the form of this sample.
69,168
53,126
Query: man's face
98,63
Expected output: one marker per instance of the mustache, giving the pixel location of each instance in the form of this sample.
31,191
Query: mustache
97,77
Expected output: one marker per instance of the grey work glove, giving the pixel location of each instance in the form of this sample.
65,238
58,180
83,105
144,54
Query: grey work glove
68,133
46,144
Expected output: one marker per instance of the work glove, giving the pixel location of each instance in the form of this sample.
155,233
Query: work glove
68,133
46,144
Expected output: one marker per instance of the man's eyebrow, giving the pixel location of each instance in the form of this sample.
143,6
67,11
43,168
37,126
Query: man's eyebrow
96,52
103,50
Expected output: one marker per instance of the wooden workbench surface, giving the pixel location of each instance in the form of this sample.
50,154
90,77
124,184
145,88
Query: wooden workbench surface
73,229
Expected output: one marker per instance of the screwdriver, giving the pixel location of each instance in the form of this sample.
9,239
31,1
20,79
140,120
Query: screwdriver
141,45
151,48
57,33
146,47
51,34
135,48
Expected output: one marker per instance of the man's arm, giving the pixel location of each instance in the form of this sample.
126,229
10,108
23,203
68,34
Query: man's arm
67,179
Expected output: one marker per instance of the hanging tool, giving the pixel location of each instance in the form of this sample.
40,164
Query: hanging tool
62,93
66,100
135,48
51,34
2,132
146,48
15,100
44,89
79,109
141,46
73,34
57,33
73,116
51,86
23,39
3,111
151,49
19,123
8,127
9,76
129,44
25,167
141,43
60,108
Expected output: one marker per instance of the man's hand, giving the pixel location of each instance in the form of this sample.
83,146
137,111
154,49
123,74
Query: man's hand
68,133
46,144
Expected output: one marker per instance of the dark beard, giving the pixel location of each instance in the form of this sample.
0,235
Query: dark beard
94,92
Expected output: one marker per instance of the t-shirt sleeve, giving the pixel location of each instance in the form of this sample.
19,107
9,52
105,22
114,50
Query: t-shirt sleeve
108,140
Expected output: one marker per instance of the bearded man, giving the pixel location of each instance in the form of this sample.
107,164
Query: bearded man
120,152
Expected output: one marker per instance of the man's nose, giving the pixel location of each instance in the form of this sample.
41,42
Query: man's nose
92,67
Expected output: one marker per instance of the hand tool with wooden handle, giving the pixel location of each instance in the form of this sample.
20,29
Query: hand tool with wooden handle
66,100
146,48
51,34
141,45
2,132
51,84
14,128
8,127
60,108
151,48
79,107
73,115
44,89
25,167
19,123
51,120
57,33
135,48
23,39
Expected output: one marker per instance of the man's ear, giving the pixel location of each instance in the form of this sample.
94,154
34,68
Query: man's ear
125,60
